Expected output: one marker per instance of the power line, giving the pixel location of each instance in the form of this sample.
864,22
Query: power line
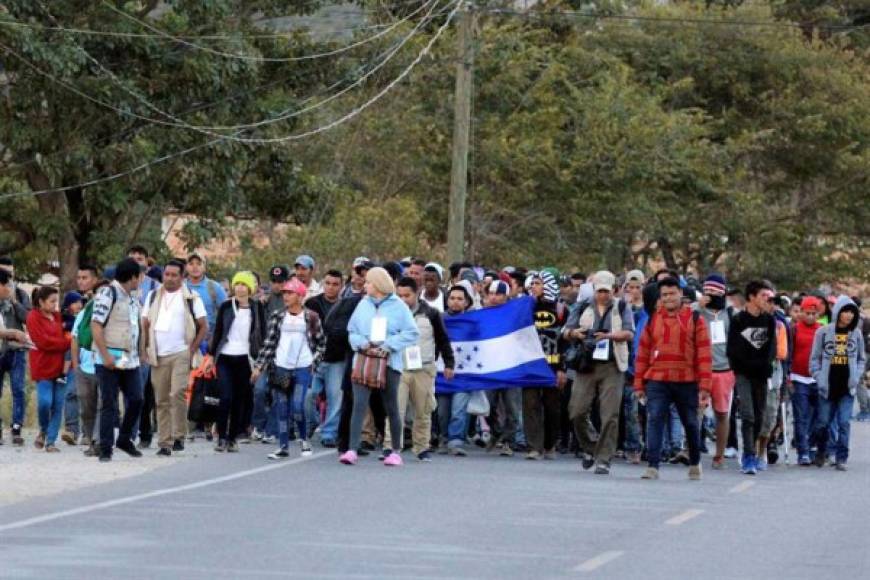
253,58
206,129
349,116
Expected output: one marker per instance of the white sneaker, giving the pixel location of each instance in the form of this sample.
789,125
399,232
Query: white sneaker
280,453
256,435
269,440
730,453
306,448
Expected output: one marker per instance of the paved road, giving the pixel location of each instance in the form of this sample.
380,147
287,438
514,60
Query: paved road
236,516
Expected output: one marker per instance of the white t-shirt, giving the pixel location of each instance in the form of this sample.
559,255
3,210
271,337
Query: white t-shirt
239,334
437,304
293,351
171,320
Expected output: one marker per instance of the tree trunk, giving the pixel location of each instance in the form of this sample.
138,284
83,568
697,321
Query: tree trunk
53,206
668,253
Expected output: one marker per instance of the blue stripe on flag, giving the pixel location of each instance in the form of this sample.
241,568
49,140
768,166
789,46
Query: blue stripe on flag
491,322
531,374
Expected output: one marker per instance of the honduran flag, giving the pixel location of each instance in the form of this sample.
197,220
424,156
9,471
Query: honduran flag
496,348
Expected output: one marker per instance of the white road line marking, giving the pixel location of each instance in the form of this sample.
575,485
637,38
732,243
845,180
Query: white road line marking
598,561
157,493
741,487
684,517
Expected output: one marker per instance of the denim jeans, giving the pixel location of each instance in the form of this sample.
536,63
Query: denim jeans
684,397
13,363
327,378
506,409
129,382
629,412
264,417
71,407
144,425
50,398
453,418
290,407
837,415
805,404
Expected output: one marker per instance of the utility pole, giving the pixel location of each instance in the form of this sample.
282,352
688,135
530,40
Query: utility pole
461,130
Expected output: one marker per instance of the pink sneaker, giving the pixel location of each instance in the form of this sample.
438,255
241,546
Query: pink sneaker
348,458
393,460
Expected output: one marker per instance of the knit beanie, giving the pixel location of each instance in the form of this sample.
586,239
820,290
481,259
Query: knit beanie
247,279
69,299
715,284
381,280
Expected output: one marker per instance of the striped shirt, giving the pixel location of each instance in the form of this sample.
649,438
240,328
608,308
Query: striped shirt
674,347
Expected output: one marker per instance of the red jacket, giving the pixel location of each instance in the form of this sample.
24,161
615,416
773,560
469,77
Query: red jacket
46,361
674,348
803,347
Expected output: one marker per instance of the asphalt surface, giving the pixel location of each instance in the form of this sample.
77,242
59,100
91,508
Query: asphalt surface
238,516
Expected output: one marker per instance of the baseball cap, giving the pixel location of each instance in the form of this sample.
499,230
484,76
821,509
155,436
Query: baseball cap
361,261
295,286
499,287
195,256
279,273
603,280
635,276
305,261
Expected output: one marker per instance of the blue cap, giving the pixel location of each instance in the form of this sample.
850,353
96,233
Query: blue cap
305,261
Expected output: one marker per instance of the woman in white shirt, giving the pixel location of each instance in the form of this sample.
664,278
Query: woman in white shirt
239,332
293,338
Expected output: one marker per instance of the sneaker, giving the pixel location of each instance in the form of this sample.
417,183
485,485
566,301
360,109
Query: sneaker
85,441
268,440
256,435
819,460
17,439
841,466
233,447
68,437
178,445
718,463
280,453
50,448
367,446
550,455
682,457
221,446
602,469
633,457
105,458
442,449
760,464
747,465
533,455
39,442
772,455
306,449
244,439
164,452
130,449
348,457
804,460
650,473
695,472
91,451
144,444
393,460
363,452
588,461
458,452
506,451
730,453
425,456
328,444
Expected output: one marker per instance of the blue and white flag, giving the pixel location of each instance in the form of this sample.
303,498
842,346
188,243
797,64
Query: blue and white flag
496,348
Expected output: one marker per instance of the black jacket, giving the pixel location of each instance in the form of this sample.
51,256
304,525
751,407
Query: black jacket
224,321
337,345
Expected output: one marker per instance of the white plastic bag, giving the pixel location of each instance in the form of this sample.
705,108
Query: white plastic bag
478,403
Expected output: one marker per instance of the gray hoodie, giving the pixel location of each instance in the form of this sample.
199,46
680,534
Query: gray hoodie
823,350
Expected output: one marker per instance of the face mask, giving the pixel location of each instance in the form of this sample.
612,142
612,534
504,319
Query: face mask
716,302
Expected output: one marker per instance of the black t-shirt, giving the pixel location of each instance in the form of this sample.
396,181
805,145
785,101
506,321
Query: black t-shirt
838,378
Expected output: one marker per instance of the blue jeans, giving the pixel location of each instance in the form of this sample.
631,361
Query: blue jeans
129,382
629,412
327,378
836,415
263,419
291,407
71,408
453,418
805,404
50,398
13,363
660,396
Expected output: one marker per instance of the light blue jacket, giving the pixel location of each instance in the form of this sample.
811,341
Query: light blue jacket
823,350
401,329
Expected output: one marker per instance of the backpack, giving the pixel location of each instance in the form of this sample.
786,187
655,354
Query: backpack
188,300
86,337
